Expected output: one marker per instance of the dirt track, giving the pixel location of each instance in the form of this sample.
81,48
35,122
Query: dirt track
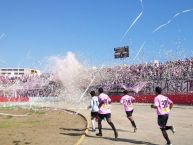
54,127
50,127
148,132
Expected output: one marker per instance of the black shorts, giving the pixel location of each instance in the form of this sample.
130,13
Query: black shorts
104,116
94,114
129,113
162,120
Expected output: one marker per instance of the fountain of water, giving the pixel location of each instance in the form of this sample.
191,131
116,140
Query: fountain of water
67,79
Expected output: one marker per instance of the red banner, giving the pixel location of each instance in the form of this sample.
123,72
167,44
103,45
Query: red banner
14,99
186,99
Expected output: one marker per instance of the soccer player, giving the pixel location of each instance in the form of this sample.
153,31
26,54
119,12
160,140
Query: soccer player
127,102
94,103
163,105
104,112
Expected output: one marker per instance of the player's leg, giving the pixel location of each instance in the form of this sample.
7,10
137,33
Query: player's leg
165,135
133,123
96,117
100,117
129,116
108,117
92,121
172,128
162,121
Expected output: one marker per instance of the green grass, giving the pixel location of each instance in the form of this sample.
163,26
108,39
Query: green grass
31,120
7,108
5,124
10,122
30,111
9,117
39,112
13,124
36,112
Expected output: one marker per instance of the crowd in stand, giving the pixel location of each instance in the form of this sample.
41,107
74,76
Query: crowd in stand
28,85
123,74
171,70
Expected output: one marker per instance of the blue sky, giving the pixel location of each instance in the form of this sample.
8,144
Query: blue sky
32,30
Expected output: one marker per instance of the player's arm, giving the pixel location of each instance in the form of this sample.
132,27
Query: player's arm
153,106
133,99
109,100
97,102
91,102
156,104
101,103
121,101
171,105
89,107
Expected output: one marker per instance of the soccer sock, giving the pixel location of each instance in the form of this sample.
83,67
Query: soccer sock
100,127
133,124
166,136
112,126
93,125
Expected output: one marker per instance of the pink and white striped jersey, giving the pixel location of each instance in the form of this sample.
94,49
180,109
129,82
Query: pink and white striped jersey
127,102
162,103
105,107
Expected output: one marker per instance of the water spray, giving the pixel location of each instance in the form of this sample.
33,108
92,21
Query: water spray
141,47
169,21
92,80
133,23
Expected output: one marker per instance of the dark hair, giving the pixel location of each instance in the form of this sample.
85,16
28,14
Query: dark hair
100,90
92,93
125,92
158,90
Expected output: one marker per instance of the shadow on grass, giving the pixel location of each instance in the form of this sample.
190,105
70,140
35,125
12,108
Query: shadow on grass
16,142
72,134
119,130
73,129
125,140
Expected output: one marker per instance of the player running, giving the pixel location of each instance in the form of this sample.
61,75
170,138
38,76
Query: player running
104,112
94,103
127,102
163,105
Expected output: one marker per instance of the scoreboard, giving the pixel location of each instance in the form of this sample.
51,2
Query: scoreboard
121,52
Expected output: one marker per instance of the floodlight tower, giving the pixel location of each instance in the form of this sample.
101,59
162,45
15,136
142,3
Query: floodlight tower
120,53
